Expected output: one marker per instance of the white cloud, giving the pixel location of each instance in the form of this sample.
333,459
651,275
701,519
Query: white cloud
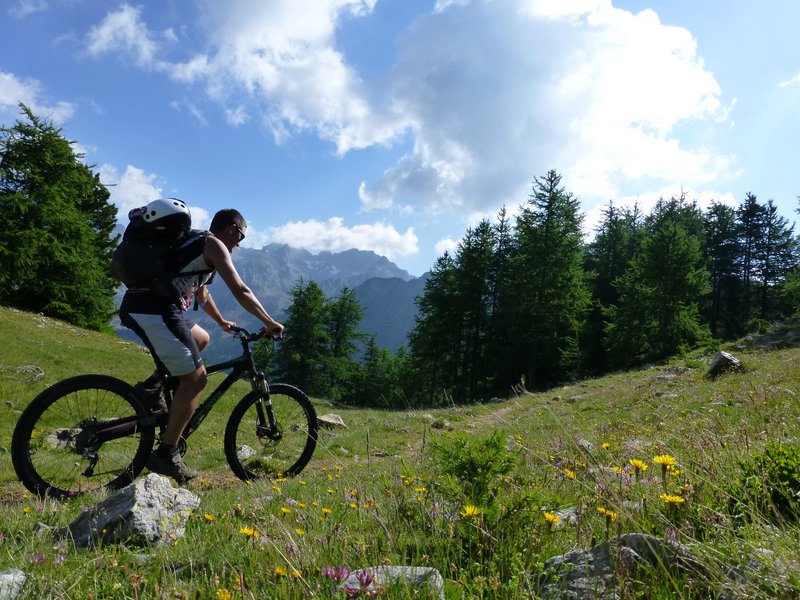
130,190
791,81
447,244
496,97
22,8
490,94
124,32
334,236
283,56
135,188
14,90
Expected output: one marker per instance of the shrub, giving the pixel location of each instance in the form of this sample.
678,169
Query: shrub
771,483
475,464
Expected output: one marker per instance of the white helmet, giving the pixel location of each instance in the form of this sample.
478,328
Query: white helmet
165,207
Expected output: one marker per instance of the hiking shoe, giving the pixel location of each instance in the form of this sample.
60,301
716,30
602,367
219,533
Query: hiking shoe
153,397
171,466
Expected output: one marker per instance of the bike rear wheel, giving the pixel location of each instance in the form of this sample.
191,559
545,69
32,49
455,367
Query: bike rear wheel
255,450
55,449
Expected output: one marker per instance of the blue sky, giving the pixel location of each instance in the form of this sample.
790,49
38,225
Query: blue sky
393,125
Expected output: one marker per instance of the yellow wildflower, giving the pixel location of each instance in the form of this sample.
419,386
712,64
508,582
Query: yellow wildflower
224,594
665,460
672,499
208,517
281,571
674,471
552,518
609,514
326,511
638,465
300,531
569,473
471,512
285,510
250,532
605,445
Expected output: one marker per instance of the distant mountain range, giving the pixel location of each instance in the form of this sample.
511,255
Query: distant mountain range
386,292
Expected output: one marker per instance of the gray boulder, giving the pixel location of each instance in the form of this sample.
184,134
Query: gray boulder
589,574
722,362
11,582
150,511
331,421
372,579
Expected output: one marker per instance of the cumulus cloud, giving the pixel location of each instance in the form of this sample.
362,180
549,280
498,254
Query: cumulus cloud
284,57
124,32
334,236
487,94
30,92
131,189
497,98
134,188
447,244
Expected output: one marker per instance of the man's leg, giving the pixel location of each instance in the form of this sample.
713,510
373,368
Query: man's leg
201,337
184,403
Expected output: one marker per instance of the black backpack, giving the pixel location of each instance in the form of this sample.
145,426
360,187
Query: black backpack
145,258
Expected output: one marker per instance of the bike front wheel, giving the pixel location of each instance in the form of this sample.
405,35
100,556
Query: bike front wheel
62,445
255,448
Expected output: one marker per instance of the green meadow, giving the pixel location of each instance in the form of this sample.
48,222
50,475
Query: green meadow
483,493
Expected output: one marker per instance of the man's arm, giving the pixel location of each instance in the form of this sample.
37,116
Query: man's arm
217,256
210,308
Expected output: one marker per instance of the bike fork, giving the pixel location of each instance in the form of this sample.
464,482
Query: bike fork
266,426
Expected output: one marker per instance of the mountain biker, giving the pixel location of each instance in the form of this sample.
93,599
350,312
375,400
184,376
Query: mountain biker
174,341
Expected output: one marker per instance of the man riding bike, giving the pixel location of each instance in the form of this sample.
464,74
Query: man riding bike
174,341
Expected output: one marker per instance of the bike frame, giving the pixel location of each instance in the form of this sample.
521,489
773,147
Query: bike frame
239,366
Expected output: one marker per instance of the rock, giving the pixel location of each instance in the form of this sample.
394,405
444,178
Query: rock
331,421
244,452
416,578
722,362
148,511
11,582
583,574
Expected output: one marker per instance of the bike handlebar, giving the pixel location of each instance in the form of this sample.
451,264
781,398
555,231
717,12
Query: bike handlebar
244,335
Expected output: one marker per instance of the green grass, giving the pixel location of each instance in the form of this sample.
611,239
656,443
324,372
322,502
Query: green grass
393,487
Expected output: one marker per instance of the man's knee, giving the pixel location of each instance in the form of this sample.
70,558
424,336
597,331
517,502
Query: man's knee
195,381
201,337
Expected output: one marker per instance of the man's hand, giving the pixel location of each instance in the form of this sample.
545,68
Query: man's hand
274,330
226,325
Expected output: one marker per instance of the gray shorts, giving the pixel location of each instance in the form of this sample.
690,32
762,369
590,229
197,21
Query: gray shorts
168,336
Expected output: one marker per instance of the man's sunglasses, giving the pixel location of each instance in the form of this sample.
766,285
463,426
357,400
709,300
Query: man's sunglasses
241,233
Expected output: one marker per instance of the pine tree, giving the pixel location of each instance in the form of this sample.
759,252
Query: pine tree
775,256
658,310
55,227
723,307
551,286
435,341
302,356
750,225
617,241
343,315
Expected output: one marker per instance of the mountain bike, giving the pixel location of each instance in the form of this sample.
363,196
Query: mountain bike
94,431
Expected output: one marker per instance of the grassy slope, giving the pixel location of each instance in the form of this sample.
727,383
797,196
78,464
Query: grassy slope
710,426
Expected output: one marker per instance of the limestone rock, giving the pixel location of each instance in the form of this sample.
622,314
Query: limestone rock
11,582
331,421
148,511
